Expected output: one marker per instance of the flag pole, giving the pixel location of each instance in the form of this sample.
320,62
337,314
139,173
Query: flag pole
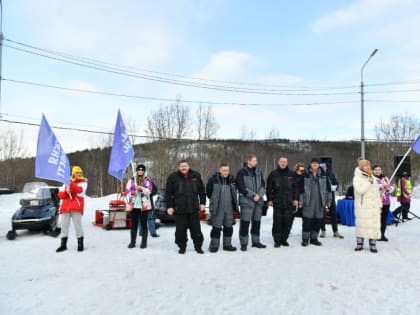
399,164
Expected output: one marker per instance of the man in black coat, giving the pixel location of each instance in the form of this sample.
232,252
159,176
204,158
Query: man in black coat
282,195
185,197
332,210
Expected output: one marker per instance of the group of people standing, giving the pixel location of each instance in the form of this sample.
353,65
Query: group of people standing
309,192
287,191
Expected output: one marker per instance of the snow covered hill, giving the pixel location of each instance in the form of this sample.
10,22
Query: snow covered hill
108,278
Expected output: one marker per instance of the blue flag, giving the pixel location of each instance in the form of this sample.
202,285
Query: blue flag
51,161
122,150
416,145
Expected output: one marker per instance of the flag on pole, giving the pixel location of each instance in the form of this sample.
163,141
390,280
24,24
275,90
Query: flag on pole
416,145
122,150
51,161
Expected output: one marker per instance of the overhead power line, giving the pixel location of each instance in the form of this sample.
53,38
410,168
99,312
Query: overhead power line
172,99
118,69
102,63
190,139
177,82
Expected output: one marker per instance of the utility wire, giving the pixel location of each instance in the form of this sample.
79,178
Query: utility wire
96,61
171,99
118,68
191,139
176,82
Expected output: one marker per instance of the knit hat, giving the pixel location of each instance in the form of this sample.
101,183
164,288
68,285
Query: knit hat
314,160
141,167
363,163
76,169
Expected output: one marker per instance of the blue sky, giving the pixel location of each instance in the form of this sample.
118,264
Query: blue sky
304,44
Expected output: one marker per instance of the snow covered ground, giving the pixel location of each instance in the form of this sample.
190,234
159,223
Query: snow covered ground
108,278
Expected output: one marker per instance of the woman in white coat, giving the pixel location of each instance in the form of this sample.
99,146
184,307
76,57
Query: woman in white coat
367,203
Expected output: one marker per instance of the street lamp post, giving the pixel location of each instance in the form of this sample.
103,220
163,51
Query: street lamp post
362,103
1,47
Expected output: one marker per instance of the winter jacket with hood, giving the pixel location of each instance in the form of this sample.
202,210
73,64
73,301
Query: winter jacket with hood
367,204
214,190
250,182
325,196
75,201
147,186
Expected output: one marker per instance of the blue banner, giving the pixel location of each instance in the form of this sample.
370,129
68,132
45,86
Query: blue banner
51,161
122,150
416,145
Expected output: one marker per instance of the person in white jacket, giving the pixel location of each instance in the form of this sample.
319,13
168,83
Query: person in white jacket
367,203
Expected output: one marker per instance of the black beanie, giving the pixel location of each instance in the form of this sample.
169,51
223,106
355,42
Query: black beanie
315,160
141,166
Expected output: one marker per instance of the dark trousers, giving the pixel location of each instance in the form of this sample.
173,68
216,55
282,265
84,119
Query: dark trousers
384,216
138,216
333,214
404,209
188,221
310,228
282,218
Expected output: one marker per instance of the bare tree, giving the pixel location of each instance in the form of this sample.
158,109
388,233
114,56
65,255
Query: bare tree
207,126
398,134
274,133
399,128
172,121
130,125
103,140
247,134
11,145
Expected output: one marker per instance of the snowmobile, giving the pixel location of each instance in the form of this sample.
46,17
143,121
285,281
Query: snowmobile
38,211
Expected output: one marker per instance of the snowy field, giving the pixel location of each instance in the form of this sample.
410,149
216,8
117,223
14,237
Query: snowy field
108,278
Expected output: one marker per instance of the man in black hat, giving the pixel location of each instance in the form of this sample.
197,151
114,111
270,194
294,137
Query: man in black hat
315,198
185,197
332,210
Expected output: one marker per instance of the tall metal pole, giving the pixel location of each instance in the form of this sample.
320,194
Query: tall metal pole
362,108
1,48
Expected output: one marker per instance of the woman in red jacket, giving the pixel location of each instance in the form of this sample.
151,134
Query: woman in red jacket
72,207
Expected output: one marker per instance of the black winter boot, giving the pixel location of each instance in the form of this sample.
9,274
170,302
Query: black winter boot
80,247
63,245
133,237
359,246
143,238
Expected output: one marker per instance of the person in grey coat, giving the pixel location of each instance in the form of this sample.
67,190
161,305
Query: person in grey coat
221,190
315,198
251,188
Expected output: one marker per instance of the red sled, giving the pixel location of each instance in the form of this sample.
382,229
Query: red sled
117,204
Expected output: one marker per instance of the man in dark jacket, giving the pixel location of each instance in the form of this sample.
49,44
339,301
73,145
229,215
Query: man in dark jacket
185,197
315,198
251,188
282,195
221,190
332,210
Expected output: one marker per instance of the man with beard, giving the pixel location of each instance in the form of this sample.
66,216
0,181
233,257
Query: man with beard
185,197
282,196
